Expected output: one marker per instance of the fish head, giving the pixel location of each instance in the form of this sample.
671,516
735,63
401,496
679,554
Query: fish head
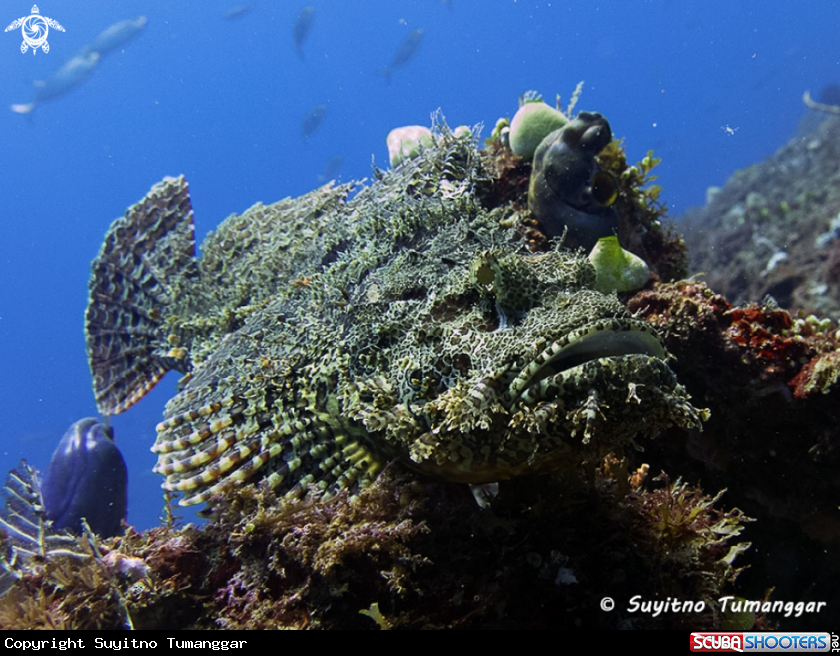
512,364
86,478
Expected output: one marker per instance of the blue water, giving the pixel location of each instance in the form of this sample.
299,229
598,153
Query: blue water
711,87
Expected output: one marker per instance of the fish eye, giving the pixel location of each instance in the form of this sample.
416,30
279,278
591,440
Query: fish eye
604,188
485,275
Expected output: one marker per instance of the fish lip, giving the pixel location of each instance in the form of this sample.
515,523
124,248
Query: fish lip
608,338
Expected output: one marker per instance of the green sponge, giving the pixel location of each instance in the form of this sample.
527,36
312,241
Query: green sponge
531,124
617,270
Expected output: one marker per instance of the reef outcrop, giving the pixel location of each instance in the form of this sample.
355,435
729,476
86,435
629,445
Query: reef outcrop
774,227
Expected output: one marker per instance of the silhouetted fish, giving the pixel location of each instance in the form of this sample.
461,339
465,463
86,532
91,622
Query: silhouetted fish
303,24
116,36
313,121
332,169
405,53
87,477
237,12
68,77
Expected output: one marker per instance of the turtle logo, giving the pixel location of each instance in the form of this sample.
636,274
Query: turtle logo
35,29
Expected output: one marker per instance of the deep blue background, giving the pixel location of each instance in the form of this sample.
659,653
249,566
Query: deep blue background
222,102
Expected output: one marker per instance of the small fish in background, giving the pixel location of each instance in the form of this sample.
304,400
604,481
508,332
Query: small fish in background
65,79
86,478
237,12
116,36
332,169
405,53
303,25
312,121
79,67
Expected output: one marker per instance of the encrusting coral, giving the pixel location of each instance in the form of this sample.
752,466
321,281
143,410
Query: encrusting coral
423,554
771,383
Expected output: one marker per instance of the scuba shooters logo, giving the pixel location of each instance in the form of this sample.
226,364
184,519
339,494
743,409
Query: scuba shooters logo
717,642
35,29
764,642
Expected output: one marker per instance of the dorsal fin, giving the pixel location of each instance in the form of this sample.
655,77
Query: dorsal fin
146,258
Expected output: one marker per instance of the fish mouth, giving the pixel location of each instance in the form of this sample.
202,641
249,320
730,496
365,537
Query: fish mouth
544,405
601,339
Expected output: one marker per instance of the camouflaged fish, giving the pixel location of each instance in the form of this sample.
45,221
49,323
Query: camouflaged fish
322,337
